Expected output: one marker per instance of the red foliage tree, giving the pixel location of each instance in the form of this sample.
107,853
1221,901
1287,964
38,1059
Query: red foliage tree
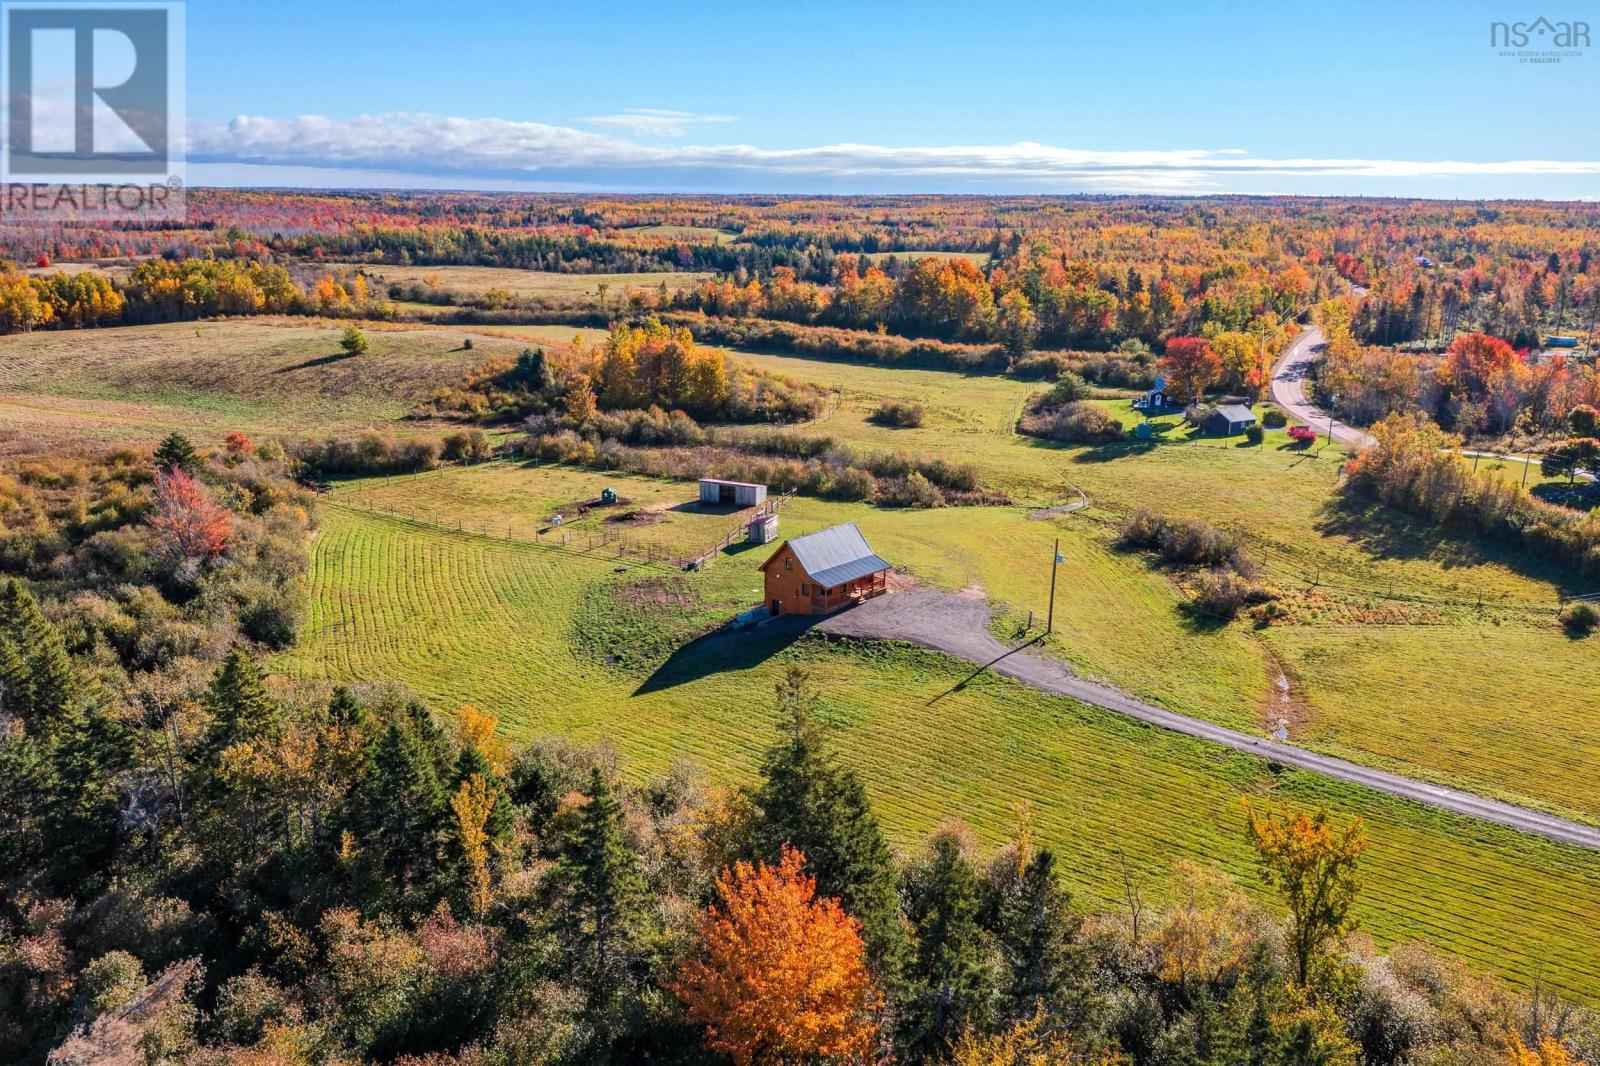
189,525
1476,362
1190,365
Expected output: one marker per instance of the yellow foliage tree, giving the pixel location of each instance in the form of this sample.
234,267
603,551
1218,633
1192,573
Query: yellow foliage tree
1550,1052
1312,862
778,974
477,729
472,803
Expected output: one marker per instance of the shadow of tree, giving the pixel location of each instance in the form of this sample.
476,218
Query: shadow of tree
321,360
1389,534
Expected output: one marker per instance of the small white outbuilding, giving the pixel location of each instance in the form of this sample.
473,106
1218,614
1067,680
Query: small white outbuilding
719,493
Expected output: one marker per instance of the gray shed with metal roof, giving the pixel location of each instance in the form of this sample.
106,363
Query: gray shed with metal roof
1228,419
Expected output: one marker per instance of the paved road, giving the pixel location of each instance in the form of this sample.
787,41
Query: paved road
958,624
1289,379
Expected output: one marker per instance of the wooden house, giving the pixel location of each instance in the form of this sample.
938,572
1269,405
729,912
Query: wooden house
823,572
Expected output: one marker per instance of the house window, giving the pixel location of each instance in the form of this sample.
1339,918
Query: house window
788,562
805,589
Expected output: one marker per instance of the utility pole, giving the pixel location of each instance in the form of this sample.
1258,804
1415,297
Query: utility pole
1055,561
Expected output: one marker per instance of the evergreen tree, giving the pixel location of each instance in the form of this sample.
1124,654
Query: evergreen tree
821,810
531,372
1037,933
37,681
83,812
949,980
176,453
241,709
25,783
398,816
606,910
471,761
602,916
344,709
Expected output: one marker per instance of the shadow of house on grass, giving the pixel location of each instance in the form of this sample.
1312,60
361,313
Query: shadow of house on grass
726,651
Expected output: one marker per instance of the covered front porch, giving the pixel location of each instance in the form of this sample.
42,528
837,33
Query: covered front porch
826,601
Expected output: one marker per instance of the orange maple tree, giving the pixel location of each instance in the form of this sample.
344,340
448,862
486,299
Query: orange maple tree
1191,365
779,974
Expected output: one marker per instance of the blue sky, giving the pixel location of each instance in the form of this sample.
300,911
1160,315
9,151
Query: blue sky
1383,99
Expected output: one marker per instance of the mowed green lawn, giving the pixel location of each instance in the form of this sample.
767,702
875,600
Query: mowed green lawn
1420,651
514,500
263,375
463,617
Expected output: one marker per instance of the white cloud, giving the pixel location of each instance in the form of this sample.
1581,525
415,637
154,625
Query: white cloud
492,148
654,121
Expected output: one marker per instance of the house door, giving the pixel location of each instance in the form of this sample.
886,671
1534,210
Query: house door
777,606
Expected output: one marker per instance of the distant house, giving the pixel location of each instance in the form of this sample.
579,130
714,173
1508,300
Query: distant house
1155,401
716,492
1227,419
823,572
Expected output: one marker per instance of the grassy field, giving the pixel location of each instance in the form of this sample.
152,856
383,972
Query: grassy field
473,280
263,375
1404,648
694,234
517,502
463,617
1396,629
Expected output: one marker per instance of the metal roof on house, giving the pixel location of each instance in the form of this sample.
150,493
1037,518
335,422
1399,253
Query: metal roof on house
1234,412
835,555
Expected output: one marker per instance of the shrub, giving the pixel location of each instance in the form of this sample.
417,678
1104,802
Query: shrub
1069,388
467,446
901,414
369,452
270,615
1255,434
853,484
1083,423
1184,542
1222,593
1274,418
1141,529
1302,434
1580,618
912,491
1584,421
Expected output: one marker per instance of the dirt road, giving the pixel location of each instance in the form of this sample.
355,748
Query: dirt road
958,625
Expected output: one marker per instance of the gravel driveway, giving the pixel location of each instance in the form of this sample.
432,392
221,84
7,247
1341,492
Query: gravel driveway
958,625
